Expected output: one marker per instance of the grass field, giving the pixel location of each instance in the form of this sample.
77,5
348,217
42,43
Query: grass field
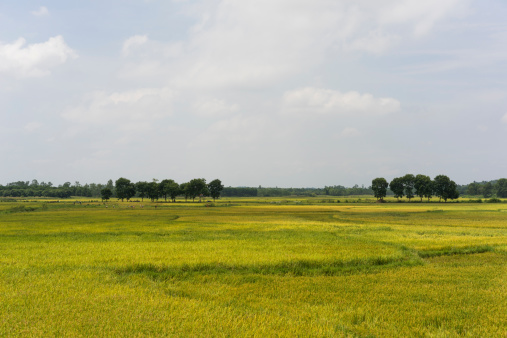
253,267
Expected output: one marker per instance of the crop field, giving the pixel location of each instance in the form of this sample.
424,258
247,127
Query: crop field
253,267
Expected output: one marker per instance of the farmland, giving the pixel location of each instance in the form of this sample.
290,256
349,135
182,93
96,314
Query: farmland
253,267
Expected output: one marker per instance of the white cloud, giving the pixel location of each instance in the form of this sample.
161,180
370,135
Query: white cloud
124,109
34,60
504,118
374,42
255,43
32,126
42,11
214,108
133,42
420,15
350,132
311,100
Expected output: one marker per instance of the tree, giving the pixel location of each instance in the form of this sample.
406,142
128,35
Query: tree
429,190
487,190
423,186
184,190
473,189
215,187
408,185
142,189
397,187
110,186
169,188
124,189
197,187
379,187
501,188
445,188
453,192
153,191
174,190
106,194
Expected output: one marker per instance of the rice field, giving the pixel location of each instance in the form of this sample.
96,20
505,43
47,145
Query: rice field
253,267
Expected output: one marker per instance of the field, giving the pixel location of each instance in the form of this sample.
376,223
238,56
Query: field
253,267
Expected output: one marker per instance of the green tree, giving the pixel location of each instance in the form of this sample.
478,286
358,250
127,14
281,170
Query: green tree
110,185
474,189
106,194
397,187
487,190
215,188
408,185
174,191
379,187
184,190
197,187
153,191
430,190
142,189
124,189
501,188
423,186
169,188
445,188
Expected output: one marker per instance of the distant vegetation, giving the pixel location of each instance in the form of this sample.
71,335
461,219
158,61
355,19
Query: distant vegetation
408,186
336,190
122,189
421,186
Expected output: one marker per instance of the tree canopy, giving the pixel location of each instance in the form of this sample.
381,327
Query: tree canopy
124,189
379,187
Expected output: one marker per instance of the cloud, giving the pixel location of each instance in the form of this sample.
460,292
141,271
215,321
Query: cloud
42,11
256,43
32,126
123,110
349,132
214,108
35,60
311,100
421,15
236,131
504,118
133,42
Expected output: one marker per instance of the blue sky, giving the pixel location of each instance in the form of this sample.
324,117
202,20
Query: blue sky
286,93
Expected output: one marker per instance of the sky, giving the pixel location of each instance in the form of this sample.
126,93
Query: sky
287,93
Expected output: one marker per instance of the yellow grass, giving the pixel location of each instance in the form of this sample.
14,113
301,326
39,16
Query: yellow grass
250,267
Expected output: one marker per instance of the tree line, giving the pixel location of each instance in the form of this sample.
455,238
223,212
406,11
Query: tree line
122,189
488,189
397,188
197,187
421,186
43,189
335,190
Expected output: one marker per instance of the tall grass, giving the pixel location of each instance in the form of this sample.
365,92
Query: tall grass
253,269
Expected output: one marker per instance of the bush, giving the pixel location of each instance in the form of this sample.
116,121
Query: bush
494,200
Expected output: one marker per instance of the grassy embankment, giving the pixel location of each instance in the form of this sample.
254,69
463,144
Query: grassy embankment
253,267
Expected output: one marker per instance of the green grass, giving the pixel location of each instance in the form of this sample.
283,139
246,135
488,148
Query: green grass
249,267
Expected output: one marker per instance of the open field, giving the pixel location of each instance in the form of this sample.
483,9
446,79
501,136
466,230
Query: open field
253,267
